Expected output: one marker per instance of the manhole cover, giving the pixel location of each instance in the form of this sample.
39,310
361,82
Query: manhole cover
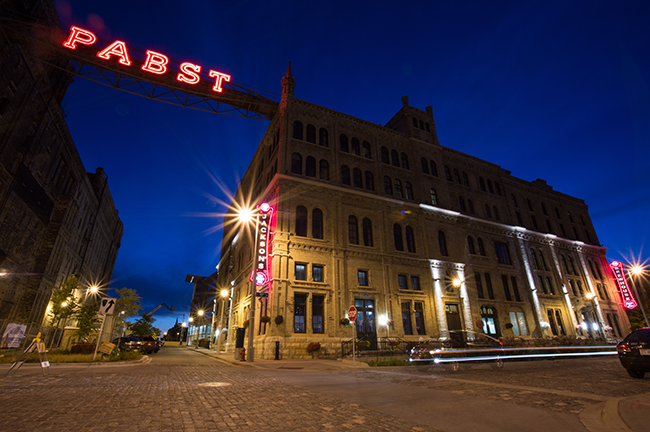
214,384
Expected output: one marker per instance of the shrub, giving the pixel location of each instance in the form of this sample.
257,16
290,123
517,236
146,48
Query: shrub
313,346
279,319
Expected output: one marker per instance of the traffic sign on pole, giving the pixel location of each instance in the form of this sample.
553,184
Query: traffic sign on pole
352,314
107,306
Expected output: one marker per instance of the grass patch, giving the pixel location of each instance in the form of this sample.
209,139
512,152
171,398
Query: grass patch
388,362
62,357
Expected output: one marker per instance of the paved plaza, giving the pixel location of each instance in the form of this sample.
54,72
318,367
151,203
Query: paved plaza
181,389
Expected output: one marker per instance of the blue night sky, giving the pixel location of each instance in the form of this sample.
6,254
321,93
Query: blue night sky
552,90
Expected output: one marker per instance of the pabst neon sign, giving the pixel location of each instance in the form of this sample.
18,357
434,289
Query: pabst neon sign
619,276
261,269
156,63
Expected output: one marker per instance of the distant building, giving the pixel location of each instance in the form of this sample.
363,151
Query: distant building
421,238
202,306
56,219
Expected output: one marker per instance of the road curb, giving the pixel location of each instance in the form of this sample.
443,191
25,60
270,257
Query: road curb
604,417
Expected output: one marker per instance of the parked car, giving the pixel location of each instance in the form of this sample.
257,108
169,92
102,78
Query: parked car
461,347
149,345
634,352
128,343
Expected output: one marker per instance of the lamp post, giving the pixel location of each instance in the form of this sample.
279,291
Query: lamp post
636,270
224,294
196,326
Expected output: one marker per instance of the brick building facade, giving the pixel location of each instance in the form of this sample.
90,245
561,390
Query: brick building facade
56,219
386,218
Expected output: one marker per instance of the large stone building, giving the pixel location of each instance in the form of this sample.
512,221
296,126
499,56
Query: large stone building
56,219
419,237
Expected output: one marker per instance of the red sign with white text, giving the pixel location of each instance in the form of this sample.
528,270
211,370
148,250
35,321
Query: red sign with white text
155,63
619,277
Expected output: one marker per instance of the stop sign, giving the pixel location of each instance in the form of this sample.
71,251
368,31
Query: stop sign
352,314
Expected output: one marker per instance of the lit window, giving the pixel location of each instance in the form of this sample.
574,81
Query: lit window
317,273
362,276
301,273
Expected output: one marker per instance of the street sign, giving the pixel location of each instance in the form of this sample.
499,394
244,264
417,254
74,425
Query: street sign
263,295
352,314
107,306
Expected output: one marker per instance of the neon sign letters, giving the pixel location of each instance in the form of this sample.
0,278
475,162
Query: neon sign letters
155,63
261,270
619,277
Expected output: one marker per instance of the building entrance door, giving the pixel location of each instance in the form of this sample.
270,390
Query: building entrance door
366,325
453,317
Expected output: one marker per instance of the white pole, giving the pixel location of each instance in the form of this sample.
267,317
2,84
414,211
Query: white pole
223,305
99,338
354,343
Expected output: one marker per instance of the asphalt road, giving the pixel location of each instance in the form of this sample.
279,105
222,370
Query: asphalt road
180,389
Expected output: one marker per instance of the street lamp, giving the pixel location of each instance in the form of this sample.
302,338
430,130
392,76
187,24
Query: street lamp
636,270
196,326
224,294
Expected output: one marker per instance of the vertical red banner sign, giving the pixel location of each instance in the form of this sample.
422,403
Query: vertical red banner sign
619,277
261,268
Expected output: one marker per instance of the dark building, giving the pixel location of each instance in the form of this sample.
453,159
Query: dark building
201,317
56,219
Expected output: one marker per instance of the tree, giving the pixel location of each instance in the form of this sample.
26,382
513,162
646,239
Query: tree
64,304
127,306
144,326
87,320
636,316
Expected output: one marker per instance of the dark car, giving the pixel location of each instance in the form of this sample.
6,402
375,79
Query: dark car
634,352
128,343
461,347
149,344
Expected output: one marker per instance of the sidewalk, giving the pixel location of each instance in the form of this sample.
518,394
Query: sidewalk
627,414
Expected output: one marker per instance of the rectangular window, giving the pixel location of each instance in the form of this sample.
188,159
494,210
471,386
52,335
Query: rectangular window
515,288
503,254
488,285
518,322
317,273
406,318
318,313
362,276
479,285
415,283
401,280
301,273
299,313
419,318
506,288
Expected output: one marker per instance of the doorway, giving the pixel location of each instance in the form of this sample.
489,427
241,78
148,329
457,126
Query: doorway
366,326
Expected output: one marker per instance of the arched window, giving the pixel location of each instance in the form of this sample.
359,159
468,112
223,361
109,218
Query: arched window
366,150
470,204
317,223
481,183
394,158
421,125
398,188
489,182
353,230
345,175
343,143
384,155
355,146
367,232
465,179
323,137
397,237
461,203
311,134
296,163
470,245
573,268
487,212
410,239
456,176
425,166
481,247
409,190
434,169
591,267
496,212
447,173
324,169
529,204
566,268
370,182
497,188
310,166
542,261
534,260
388,186
405,161
434,197
442,243
514,200
490,321
297,130
357,179
301,221
427,126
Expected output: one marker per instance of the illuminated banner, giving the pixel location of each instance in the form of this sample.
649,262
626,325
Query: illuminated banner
155,62
619,276
261,270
